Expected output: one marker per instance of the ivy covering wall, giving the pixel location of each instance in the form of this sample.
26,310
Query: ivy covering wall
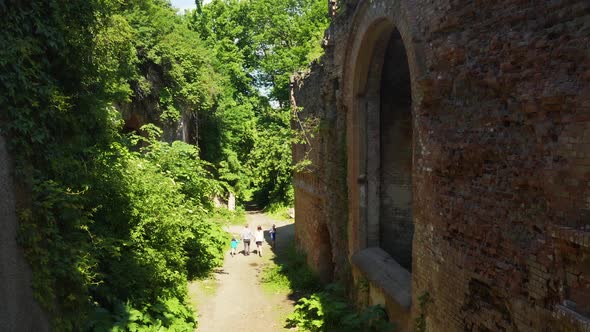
113,223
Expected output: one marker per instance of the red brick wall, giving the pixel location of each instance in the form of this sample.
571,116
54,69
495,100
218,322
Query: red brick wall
502,168
507,108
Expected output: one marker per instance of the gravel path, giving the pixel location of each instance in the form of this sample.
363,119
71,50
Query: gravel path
234,299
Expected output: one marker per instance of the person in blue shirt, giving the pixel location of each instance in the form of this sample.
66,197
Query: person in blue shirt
234,246
273,235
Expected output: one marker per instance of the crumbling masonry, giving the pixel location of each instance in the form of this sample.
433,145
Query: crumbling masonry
450,149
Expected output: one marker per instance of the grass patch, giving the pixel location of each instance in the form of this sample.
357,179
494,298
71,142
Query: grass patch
278,211
225,216
274,280
290,272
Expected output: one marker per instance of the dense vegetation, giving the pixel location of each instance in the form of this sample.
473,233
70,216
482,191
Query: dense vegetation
320,308
257,45
114,223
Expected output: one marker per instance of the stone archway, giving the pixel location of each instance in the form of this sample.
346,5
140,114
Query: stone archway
325,260
382,102
378,90
377,26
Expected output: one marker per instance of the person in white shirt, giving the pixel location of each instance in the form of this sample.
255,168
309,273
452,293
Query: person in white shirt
246,236
259,236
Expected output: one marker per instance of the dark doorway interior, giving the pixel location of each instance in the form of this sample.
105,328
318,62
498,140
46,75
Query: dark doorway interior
396,226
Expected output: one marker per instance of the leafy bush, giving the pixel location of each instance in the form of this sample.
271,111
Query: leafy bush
328,310
170,315
132,234
325,309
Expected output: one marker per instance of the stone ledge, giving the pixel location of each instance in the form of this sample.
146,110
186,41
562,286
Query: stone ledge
563,312
384,272
568,234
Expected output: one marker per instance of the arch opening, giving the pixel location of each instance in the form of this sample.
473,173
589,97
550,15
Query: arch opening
384,100
396,226
325,261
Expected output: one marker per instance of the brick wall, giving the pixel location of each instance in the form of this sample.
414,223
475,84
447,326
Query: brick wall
501,172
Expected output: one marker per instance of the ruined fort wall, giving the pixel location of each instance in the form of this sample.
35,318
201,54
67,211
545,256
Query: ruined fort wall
18,309
501,171
320,188
503,167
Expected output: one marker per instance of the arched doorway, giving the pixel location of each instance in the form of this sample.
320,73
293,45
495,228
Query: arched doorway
325,261
383,107
380,87
396,226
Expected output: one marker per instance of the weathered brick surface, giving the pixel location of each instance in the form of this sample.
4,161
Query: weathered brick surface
501,172
320,188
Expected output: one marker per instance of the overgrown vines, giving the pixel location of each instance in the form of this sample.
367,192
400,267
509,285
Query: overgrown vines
114,224
111,234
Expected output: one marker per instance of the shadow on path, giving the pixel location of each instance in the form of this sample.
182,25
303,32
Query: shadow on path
292,263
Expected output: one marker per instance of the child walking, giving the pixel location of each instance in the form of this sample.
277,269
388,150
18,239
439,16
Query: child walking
259,236
273,235
234,245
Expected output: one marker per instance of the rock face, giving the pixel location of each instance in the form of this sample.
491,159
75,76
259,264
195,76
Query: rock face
141,112
18,309
450,156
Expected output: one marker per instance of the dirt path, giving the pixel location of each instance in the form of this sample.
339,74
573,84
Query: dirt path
234,298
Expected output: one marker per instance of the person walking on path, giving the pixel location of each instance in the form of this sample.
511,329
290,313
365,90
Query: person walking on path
234,246
246,237
273,235
259,239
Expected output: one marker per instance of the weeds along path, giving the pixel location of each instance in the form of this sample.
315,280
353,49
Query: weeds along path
234,298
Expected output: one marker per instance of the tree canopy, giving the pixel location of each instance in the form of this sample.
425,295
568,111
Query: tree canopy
258,44
114,222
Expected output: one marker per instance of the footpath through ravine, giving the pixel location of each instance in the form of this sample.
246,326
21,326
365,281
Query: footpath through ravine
233,298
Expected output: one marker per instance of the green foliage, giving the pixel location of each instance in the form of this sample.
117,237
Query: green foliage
224,216
278,211
291,272
271,159
420,321
114,225
170,315
325,308
181,162
288,38
258,44
173,72
273,278
328,310
111,233
137,232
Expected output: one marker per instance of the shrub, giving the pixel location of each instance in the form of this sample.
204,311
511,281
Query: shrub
328,310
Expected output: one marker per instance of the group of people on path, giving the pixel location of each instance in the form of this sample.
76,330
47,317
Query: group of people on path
258,236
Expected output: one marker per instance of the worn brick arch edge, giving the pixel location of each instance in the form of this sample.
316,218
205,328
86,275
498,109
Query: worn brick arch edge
372,25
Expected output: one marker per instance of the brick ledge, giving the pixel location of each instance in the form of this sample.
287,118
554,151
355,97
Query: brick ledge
568,234
383,271
572,316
